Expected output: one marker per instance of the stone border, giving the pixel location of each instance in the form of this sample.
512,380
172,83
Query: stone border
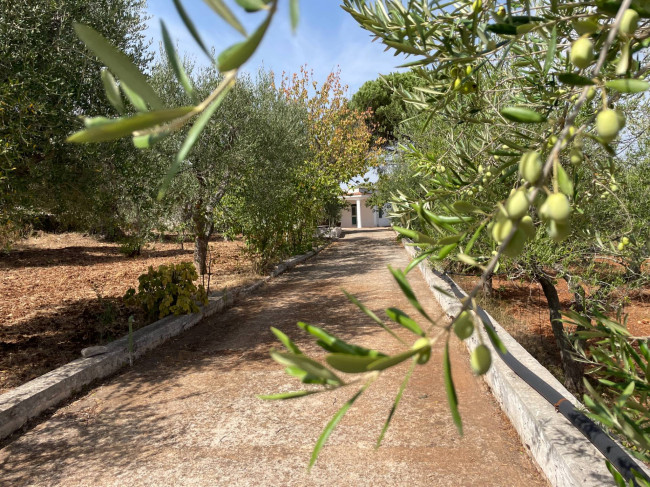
32,398
565,456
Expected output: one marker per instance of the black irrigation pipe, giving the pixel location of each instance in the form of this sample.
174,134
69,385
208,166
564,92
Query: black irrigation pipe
601,440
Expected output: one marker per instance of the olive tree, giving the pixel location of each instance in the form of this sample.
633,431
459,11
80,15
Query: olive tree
47,81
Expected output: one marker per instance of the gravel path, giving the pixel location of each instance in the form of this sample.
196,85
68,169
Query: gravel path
187,415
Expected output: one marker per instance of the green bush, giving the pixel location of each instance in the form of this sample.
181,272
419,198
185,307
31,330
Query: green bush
168,290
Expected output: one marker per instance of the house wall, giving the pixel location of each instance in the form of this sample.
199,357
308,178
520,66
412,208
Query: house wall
346,218
368,217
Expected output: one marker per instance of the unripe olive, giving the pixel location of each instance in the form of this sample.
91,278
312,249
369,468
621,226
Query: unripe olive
625,240
530,166
575,156
629,22
480,360
464,325
517,204
457,84
501,230
558,231
609,123
585,27
527,226
620,246
582,52
516,244
558,207
591,93
424,354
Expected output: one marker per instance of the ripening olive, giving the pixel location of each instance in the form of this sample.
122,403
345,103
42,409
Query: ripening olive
582,52
480,360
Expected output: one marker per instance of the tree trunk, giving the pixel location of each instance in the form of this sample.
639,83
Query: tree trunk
488,290
573,370
201,253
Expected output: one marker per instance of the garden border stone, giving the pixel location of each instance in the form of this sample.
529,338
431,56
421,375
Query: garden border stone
34,397
566,457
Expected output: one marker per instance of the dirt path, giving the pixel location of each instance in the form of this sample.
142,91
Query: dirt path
187,413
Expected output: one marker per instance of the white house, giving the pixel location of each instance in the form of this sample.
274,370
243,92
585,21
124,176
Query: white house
357,214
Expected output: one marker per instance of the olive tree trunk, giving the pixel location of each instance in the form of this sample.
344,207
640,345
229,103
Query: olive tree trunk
573,370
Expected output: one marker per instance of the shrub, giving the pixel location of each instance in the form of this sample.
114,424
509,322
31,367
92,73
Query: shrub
168,290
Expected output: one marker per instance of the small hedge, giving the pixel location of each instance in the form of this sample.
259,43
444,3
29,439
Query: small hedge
168,290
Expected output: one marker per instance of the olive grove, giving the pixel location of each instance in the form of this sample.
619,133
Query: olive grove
526,106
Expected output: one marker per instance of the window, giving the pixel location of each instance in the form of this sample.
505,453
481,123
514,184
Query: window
353,210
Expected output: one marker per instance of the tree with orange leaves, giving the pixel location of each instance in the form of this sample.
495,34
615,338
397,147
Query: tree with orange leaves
340,138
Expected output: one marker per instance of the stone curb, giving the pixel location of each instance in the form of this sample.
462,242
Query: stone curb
32,398
565,456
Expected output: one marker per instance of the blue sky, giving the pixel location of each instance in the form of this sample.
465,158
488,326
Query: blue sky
327,37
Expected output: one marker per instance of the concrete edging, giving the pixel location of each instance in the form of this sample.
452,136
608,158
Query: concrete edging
32,398
565,456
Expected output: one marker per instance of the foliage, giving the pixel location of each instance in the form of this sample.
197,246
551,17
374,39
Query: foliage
340,140
387,107
168,290
618,363
46,82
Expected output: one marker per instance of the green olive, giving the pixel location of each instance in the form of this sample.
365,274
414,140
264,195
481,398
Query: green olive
464,325
575,156
558,207
585,27
501,230
516,244
629,22
609,123
591,93
530,166
480,360
517,204
558,231
582,52
625,240
424,354
528,227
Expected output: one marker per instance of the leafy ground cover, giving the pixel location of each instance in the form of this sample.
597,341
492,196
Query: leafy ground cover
520,307
63,292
